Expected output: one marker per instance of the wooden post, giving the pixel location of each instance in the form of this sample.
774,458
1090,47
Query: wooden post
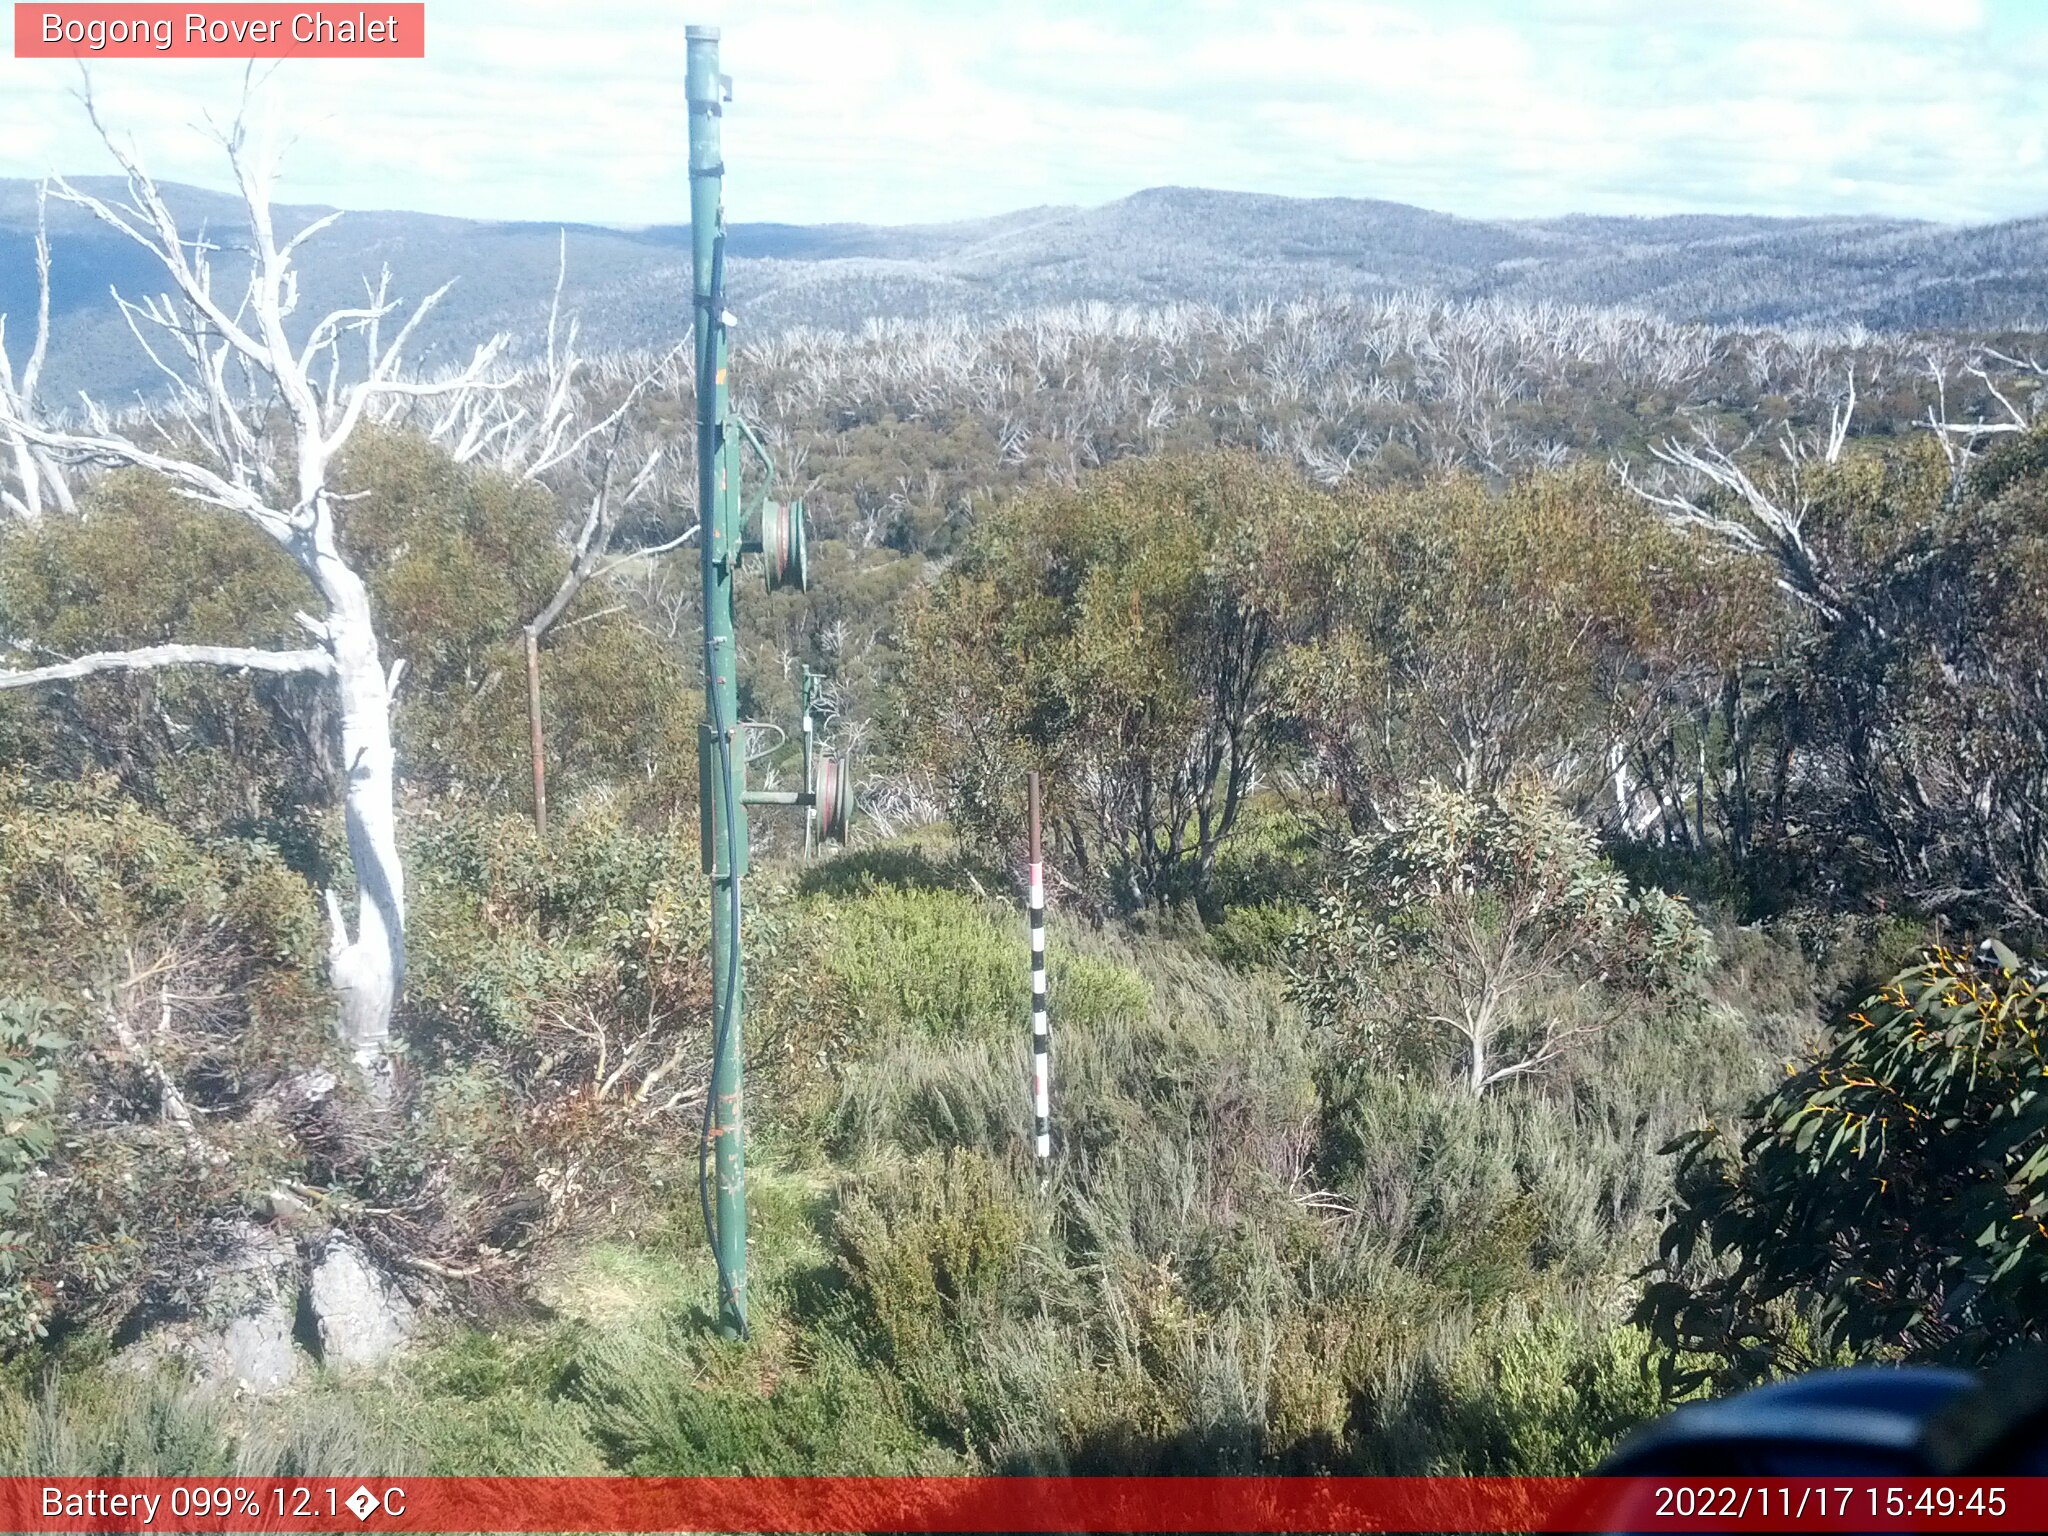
1041,1033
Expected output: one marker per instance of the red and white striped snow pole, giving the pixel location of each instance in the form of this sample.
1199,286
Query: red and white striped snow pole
1041,1032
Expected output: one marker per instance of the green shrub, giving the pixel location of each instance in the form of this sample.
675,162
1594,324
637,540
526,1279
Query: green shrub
501,1403
1085,991
1488,929
944,967
216,753
916,1096
1548,1398
28,1094
1095,632
909,863
457,559
1447,1185
659,1411
189,970
1893,1192
931,1254
555,1018
87,875
1248,938
1272,858
522,943
932,963
112,1424
927,1249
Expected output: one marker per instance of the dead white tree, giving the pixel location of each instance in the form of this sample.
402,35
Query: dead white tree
590,558
1769,522
558,439
36,476
1959,440
253,423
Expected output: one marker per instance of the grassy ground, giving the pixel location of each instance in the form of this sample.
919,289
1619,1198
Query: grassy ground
1257,1252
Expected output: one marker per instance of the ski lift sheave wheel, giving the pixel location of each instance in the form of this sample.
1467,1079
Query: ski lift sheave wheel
783,546
835,799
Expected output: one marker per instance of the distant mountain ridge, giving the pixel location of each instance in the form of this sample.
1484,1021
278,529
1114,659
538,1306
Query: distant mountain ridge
1161,245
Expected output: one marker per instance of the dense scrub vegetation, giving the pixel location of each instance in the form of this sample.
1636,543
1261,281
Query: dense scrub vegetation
1451,850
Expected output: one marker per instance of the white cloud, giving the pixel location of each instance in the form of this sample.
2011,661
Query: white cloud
898,110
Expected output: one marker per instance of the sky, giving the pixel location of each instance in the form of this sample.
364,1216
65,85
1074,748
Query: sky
912,111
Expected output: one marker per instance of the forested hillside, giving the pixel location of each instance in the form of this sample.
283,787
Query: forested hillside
1547,811
1167,245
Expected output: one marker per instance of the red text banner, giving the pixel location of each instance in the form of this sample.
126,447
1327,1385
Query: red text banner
971,1504
233,31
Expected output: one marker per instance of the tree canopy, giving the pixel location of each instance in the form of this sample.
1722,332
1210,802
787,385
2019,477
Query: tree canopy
1124,637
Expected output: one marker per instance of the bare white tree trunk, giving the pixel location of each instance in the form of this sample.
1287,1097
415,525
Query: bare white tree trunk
34,473
367,971
1624,791
1959,440
26,499
227,444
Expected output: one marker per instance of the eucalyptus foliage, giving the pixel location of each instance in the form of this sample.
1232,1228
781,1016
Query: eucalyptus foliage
1125,639
1889,1198
29,1048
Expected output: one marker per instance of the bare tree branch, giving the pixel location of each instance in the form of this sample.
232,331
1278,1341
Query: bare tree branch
193,480
667,546
1959,439
1755,520
155,657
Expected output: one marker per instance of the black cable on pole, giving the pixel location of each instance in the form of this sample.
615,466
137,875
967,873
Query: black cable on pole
722,1033
707,411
